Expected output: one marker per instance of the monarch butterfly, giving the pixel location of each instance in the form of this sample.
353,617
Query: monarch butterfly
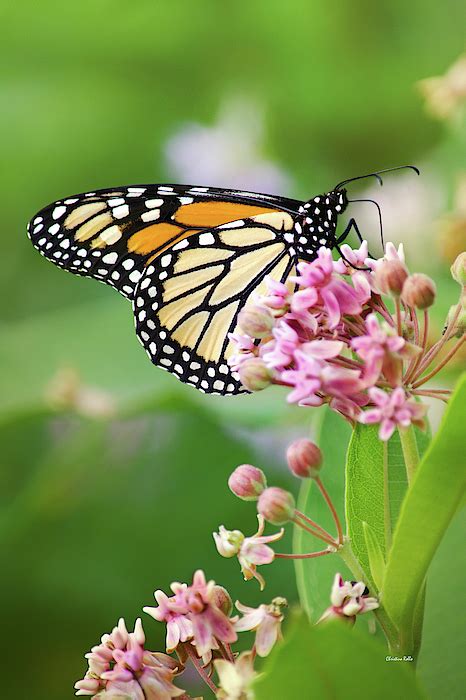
188,258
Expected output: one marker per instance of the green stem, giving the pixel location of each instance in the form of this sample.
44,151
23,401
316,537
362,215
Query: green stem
410,451
386,501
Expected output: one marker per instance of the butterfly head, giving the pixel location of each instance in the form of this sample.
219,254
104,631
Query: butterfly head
317,220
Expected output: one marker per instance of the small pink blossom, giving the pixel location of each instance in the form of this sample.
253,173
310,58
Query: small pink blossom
192,614
277,297
391,253
392,409
350,256
280,352
251,551
265,620
120,667
235,677
377,347
348,600
336,296
245,350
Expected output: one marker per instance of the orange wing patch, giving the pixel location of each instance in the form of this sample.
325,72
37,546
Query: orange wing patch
208,214
152,237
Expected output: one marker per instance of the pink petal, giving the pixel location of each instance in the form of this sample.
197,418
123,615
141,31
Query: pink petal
267,634
387,428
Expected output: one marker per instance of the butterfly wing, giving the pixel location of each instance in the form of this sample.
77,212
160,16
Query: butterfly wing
188,299
111,235
188,257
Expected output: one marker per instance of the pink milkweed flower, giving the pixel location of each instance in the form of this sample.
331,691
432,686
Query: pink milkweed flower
265,620
245,350
192,614
251,551
334,294
391,253
379,348
277,296
279,353
392,409
312,378
235,677
353,256
121,667
349,599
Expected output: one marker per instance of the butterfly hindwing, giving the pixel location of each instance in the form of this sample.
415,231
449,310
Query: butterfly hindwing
188,299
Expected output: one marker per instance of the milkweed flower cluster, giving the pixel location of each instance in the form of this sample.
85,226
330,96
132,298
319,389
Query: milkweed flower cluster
120,667
348,336
200,629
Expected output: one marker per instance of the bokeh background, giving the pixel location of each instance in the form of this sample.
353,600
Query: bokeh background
113,475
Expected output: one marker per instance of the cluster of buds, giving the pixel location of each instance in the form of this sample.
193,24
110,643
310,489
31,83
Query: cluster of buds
277,507
334,339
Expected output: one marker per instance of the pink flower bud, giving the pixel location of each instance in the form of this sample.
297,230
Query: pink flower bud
460,324
221,598
458,269
419,291
254,374
276,505
247,482
304,459
256,321
390,276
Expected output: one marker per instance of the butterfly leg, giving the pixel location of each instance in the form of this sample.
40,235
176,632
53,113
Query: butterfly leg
351,225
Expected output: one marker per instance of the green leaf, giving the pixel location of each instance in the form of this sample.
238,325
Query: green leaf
333,661
375,487
437,489
441,665
376,558
315,576
95,515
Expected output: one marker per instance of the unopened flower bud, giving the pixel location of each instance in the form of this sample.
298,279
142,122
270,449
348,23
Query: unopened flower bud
247,482
459,329
254,374
419,291
458,269
390,276
276,505
256,321
222,600
304,459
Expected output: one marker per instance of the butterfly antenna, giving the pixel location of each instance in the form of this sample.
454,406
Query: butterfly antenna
380,215
377,174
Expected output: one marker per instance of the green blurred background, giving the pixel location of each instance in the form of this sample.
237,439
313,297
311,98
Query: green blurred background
113,474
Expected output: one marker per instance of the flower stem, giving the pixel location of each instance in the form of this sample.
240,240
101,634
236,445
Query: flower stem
311,555
328,539
441,364
398,316
314,525
200,669
410,451
332,509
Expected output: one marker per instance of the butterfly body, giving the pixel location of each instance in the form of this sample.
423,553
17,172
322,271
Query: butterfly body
188,258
